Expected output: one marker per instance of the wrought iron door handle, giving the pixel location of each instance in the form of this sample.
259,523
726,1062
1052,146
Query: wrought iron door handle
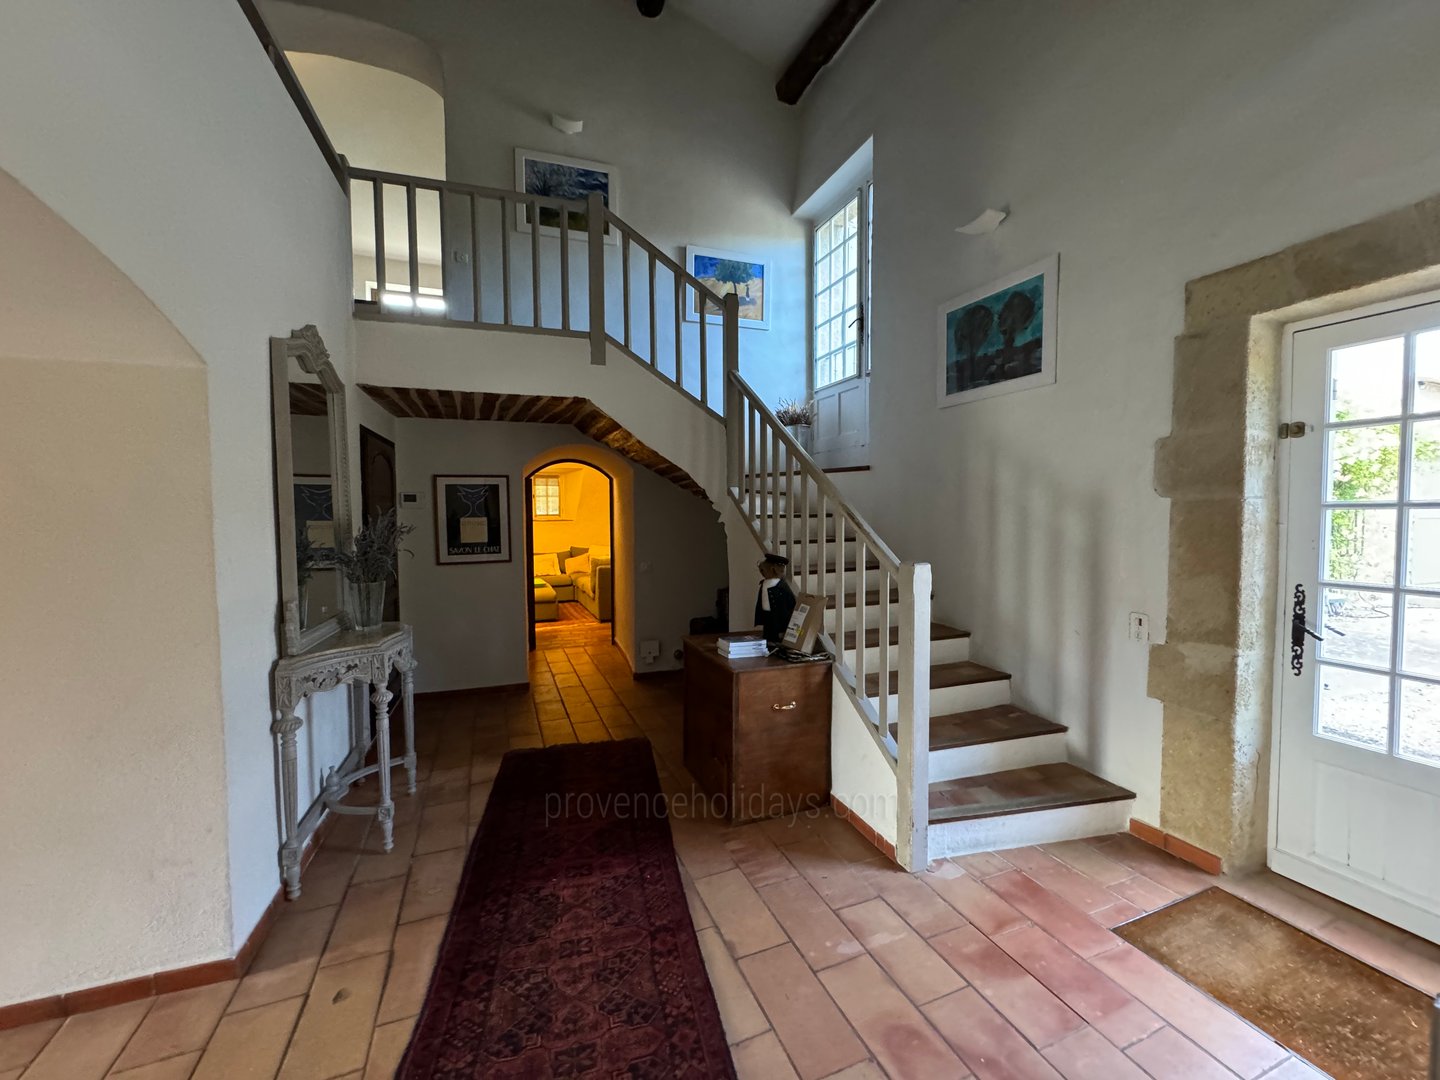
1299,631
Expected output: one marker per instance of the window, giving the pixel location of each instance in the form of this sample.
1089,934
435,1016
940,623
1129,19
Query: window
842,290
430,300
547,496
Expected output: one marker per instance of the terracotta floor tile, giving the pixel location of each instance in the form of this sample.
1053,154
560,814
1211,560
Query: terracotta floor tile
1070,885
739,1011
701,847
416,946
759,858
1404,960
1082,857
916,968
324,881
11,1074
983,864
366,923
286,962
916,902
901,1039
1217,1030
479,799
762,1058
1117,914
699,913
984,1040
1177,876
250,1045
1075,929
20,1046
821,937
844,839
970,897
835,879
1143,893
1167,1055
1086,1055
1102,1003
865,1070
1039,1015
740,915
375,864
176,1024
433,881
387,1047
87,1044
442,828
332,1036
813,1031
175,1068
1295,1069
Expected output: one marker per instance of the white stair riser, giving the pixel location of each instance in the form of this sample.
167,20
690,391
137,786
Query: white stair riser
831,545
995,757
949,651
945,700
800,528
1023,830
852,616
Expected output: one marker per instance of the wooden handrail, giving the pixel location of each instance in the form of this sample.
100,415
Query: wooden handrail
425,183
295,90
666,261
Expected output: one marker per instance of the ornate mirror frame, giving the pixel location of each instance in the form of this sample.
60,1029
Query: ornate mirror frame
304,347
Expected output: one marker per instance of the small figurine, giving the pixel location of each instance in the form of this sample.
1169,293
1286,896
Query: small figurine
775,603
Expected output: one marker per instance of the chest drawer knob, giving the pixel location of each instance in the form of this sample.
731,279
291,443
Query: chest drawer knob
783,708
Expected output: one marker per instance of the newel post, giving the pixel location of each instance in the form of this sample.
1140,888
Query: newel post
595,218
912,775
734,411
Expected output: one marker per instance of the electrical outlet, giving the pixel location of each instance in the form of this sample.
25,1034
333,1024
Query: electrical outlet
1139,627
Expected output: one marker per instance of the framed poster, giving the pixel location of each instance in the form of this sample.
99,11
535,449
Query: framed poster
558,177
315,516
999,338
726,272
472,519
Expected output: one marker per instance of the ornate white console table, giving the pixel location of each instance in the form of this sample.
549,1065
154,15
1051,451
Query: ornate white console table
365,657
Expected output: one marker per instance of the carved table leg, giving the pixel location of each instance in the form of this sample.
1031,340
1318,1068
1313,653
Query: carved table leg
385,812
286,727
408,682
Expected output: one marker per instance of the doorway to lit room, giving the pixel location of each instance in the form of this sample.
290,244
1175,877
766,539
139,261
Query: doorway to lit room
569,532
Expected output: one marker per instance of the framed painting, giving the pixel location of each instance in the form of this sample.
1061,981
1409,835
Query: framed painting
999,338
472,519
557,177
315,516
726,272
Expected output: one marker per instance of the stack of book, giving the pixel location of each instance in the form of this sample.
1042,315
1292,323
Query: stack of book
743,647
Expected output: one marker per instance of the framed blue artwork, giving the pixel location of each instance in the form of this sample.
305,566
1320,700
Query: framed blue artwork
539,173
999,338
725,272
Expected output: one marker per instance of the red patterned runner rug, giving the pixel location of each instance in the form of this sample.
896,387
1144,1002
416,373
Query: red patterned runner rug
570,951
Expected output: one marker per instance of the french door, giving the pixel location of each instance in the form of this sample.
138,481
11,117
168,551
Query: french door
1355,807
839,306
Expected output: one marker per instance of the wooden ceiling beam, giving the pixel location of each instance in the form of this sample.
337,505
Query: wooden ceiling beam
832,33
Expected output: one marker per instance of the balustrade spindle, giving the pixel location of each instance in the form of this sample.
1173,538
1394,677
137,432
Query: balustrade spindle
479,315
564,269
505,256
414,233
625,286
535,319
379,241
654,303
703,302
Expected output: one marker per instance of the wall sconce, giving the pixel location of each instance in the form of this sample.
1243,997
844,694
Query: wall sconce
565,124
988,221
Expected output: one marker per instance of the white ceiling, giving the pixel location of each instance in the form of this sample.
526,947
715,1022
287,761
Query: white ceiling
770,31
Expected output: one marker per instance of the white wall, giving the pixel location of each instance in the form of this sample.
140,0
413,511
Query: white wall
1148,143
704,150
471,620
138,148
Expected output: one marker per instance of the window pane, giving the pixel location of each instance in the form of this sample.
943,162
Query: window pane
850,365
1356,626
1365,463
822,273
1367,380
1425,460
822,238
837,265
1360,546
851,320
1420,651
837,224
851,286
852,254
822,307
1422,559
837,298
1427,372
1354,707
852,216
1420,721
822,339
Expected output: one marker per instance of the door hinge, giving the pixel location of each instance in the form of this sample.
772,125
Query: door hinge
1296,429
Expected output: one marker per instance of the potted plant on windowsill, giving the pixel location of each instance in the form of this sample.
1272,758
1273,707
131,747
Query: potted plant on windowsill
797,418
369,564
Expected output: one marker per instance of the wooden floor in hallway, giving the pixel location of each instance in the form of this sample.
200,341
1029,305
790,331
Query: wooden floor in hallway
826,960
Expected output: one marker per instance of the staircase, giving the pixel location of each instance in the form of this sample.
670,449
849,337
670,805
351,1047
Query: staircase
967,770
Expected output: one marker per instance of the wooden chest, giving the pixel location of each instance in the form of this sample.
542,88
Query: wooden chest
757,732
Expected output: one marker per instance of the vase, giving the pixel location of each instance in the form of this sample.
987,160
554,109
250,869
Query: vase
367,604
304,605
801,434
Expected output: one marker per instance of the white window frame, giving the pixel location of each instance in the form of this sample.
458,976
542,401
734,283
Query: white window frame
864,196
559,496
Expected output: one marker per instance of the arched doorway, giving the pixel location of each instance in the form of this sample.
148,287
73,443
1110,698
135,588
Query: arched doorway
570,517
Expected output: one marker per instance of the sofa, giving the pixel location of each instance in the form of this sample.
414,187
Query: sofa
591,586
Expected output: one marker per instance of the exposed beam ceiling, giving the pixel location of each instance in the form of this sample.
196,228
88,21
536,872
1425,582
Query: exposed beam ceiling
423,404
820,49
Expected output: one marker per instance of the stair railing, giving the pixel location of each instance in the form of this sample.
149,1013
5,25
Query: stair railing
793,508
506,261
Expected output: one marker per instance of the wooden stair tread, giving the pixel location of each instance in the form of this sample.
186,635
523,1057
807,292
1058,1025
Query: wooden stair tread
979,727
1019,791
938,632
872,598
960,673
871,563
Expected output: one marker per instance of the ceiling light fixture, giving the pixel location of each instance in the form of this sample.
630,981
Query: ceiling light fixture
650,8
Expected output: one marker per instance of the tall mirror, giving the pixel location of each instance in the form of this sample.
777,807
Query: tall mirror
311,488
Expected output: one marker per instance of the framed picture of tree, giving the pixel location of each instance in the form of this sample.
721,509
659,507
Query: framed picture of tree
1001,337
726,272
